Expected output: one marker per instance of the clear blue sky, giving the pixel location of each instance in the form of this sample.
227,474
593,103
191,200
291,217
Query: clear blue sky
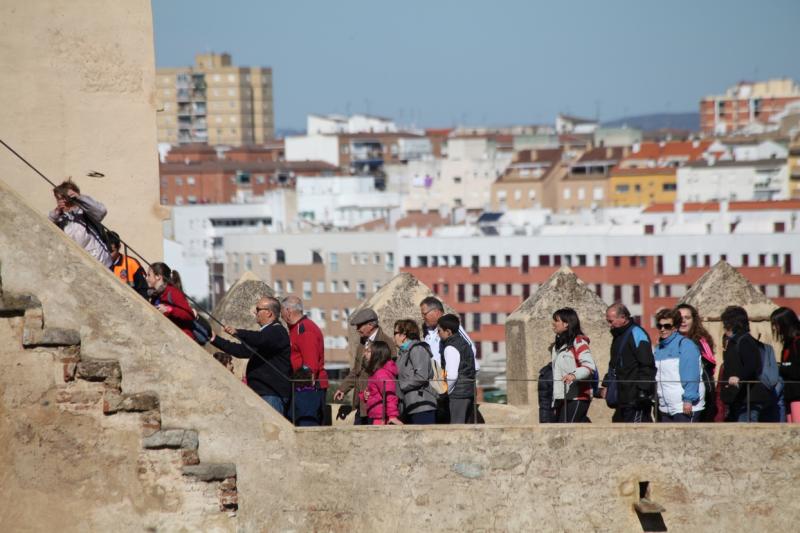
446,62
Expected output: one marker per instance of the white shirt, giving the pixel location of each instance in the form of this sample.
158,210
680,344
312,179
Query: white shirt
432,338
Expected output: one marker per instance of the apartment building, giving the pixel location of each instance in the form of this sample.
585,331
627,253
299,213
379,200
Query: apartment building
746,104
794,169
332,271
648,174
646,265
526,181
710,180
215,102
585,185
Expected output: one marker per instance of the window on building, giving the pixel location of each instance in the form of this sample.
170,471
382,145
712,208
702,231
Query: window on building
389,261
361,290
407,261
598,289
280,257
476,292
779,227
508,260
457,260
345,285
637,295
278,286
581,259
493,289
617,293
178,180
316,257
544,260
190,180
617,261
289,286
306,290
376,259
475,266
333,262
669,187
376,286
745,260
762,260
597,193
461,296
493,318
422,261
320,287
334,285
581,193
567,193
476,321
493,260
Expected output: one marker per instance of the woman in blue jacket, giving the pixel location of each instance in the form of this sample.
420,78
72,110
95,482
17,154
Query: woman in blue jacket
678,381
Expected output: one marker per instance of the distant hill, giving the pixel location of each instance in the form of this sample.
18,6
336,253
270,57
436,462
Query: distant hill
657,121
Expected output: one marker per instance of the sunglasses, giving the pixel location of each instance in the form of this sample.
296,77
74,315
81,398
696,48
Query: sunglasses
665,326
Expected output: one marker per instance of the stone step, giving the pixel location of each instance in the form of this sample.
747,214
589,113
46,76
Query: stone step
106,370
16,304
186,439
211,471
114,402
50,337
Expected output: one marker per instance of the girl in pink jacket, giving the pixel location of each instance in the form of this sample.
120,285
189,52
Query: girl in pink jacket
382,385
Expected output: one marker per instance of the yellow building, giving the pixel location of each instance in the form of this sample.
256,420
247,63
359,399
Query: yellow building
215,102
642,186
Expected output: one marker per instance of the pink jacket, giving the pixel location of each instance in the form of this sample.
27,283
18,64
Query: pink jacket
385,376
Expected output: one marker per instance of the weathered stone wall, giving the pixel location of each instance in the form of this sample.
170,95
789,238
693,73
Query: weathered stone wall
551,477
77,86
529,334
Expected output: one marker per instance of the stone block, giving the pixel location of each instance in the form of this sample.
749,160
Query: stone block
17,304
129,403
211,471
172,438
106,370
50,337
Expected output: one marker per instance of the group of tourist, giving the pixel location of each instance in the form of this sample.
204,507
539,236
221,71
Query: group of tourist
675,380
428,375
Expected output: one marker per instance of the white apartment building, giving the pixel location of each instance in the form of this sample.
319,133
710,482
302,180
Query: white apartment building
710,180
462,180
748,150
358,123
196,231
343,201
312,148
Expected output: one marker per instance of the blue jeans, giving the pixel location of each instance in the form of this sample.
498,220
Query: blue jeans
276,402
759,412
425,417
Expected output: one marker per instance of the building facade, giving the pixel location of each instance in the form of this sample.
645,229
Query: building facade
746,103
216,102
709,180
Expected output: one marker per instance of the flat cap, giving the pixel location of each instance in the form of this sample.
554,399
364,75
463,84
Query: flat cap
363,316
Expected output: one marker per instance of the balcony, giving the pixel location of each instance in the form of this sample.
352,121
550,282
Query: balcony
184,110
184,95
198,108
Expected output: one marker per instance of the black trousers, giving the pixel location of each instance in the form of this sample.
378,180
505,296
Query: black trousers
571,411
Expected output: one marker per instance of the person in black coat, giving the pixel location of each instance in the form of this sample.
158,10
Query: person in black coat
786,329
748,400
269,368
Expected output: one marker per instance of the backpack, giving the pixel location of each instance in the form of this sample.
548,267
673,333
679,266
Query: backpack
769,376
439,380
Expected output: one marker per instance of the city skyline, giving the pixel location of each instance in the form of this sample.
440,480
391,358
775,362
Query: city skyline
474,63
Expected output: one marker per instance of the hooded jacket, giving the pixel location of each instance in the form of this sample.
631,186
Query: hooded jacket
415,373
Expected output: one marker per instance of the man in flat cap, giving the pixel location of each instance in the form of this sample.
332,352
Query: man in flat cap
366,323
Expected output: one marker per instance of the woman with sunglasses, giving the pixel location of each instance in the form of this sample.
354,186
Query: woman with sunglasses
678,383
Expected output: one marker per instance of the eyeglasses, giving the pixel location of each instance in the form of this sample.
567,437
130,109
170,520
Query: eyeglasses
258,309
665,326
425,313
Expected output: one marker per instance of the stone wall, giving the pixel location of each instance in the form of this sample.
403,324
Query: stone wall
74,472
77,86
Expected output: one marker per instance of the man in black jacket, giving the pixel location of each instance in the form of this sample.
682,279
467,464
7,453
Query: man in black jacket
269,370
632,361
742,363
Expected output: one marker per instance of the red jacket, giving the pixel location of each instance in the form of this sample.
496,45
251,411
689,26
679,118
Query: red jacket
308,348
383,380
180,312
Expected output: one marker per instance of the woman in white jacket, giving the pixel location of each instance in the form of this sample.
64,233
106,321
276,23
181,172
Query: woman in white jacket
573,368
79,216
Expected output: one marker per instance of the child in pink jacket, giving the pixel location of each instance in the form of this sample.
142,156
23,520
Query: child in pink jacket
382,385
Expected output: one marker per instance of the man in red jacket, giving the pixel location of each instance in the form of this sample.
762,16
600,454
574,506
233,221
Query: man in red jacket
308,364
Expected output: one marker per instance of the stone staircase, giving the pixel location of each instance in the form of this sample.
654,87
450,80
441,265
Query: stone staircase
85,384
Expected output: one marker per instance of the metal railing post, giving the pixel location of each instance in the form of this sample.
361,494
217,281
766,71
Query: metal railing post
564,401
385,414
475,401
748,403
292,405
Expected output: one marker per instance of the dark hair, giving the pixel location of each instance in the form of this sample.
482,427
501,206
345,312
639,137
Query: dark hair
449,322
432,302
407,327
170,276
223,358
735,319
380,355
671,314
785,325
570,317
274,305
697,331
114,240
64,188
620,310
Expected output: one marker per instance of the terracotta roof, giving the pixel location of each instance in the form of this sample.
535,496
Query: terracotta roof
699,207
438,132
601,154
192,148
418,219
655,151
543,155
